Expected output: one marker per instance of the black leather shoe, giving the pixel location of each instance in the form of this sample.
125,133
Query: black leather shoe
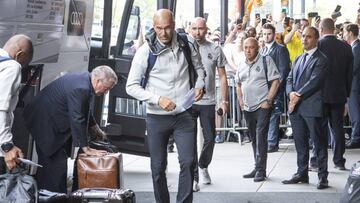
273,149
250,175
259,176
297,178
322,184
352,145
340,167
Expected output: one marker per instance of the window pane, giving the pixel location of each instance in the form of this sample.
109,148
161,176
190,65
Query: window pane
185,12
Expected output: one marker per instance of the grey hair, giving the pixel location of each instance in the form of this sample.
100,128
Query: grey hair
105,74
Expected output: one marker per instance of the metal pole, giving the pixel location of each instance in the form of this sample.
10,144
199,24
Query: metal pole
223,19
199,8
303,8
291,8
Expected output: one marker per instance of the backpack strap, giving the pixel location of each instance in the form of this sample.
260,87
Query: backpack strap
266,71
151,62
184,45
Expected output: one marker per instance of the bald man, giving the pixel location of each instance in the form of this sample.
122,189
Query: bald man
213,59
165,90
16,54
257,83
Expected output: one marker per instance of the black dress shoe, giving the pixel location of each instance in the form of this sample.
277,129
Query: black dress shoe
250,175
322,184
297,178
340,167
273,149
352,145
259,176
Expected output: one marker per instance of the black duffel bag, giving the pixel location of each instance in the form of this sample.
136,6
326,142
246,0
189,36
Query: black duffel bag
103,145
16,186
351,193
46,196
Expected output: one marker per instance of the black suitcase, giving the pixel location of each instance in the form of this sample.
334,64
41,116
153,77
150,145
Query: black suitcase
46,196
351,193
88,195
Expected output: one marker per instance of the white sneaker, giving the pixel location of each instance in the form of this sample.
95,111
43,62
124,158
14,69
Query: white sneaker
205,176
196,187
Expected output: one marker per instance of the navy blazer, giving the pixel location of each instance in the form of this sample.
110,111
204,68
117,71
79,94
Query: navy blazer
280,55
311,83
338,80
356,66
61,107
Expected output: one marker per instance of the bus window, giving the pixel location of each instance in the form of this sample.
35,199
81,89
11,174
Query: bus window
139,24
185,12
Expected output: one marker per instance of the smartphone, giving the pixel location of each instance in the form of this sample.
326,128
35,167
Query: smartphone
263,21
287,20
257,15
317,18
297,21
337,9
337,14
283,10
312,14
239,21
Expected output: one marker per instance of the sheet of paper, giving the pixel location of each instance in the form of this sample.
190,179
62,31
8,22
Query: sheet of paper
29,162
188,99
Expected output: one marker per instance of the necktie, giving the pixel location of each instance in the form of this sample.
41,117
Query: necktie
265,50
300,70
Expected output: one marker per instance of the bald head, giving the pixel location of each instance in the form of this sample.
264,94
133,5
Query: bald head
20,48
164,25
327,26
198,29
251,48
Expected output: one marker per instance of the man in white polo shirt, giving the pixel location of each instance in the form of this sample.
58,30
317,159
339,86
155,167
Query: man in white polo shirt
257,83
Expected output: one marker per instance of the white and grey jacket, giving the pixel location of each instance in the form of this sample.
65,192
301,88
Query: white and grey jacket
169,76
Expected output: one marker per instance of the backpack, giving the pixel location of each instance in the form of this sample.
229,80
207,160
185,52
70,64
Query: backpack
184,46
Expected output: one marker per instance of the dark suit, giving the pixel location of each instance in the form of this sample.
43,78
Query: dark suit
336,89
60,108
307,117
354,100
280,55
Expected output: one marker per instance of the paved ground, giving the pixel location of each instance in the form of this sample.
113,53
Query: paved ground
230,162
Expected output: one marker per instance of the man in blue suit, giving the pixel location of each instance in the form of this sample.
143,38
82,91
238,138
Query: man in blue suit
280,56
351,33
62,110
303,88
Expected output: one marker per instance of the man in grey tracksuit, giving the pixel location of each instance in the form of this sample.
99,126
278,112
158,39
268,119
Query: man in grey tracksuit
165,90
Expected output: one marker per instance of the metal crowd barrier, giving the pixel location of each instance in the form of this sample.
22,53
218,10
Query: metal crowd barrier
234,121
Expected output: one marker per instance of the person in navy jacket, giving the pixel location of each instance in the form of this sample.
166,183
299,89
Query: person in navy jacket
62,110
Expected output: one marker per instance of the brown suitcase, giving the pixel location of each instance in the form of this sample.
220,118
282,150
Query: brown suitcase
95,172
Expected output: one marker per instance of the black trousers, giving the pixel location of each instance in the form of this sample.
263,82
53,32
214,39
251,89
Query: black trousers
159,129
303,128
207,122
354,114
258,125
334,116
2,166
52,176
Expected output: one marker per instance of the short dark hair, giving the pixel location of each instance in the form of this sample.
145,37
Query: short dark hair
269,26
327,24
316,31
354,28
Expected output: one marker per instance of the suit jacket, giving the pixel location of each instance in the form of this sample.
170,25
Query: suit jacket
338,80
356,66
310,84
60,108
280,55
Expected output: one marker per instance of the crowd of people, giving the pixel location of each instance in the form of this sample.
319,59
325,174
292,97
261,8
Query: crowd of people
314,67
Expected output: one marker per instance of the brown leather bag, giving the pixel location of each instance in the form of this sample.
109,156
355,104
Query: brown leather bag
94,171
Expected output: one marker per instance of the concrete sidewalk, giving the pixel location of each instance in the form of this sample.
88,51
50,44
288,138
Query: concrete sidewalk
231,161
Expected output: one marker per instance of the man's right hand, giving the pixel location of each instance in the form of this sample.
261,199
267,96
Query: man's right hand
11,157
166,104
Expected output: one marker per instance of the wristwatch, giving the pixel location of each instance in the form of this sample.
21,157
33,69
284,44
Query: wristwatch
7,146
